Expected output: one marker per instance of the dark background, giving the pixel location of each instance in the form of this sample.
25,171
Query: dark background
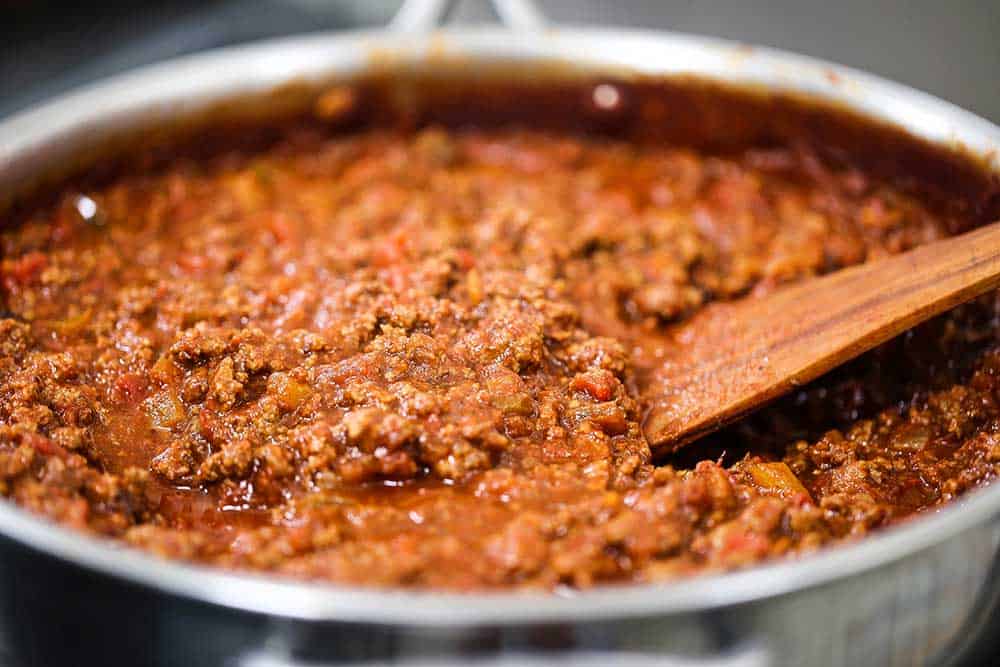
948,48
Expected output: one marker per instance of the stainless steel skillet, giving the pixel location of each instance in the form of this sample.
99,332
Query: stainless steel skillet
910,595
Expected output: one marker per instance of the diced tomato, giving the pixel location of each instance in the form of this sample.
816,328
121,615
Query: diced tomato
210,427
45,445
130,388
398,277
23,270
599,384
282,228
390,252
191,263
466,260
740,542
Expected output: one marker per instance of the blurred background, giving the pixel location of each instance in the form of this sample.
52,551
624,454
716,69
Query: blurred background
948,48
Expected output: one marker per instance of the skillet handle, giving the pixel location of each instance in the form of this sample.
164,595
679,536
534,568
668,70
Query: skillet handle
421,16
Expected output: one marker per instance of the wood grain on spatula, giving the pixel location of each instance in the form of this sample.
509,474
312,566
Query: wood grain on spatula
750,352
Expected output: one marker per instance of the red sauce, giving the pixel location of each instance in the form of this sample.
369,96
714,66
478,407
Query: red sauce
413,351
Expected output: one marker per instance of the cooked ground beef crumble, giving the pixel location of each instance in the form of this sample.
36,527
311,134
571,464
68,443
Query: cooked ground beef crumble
418,359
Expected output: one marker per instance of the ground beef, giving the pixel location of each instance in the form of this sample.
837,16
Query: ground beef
418,359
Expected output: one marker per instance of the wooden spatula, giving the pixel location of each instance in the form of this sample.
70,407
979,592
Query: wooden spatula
736,357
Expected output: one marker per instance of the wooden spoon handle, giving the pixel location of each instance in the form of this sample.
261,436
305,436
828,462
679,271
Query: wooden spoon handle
759,349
